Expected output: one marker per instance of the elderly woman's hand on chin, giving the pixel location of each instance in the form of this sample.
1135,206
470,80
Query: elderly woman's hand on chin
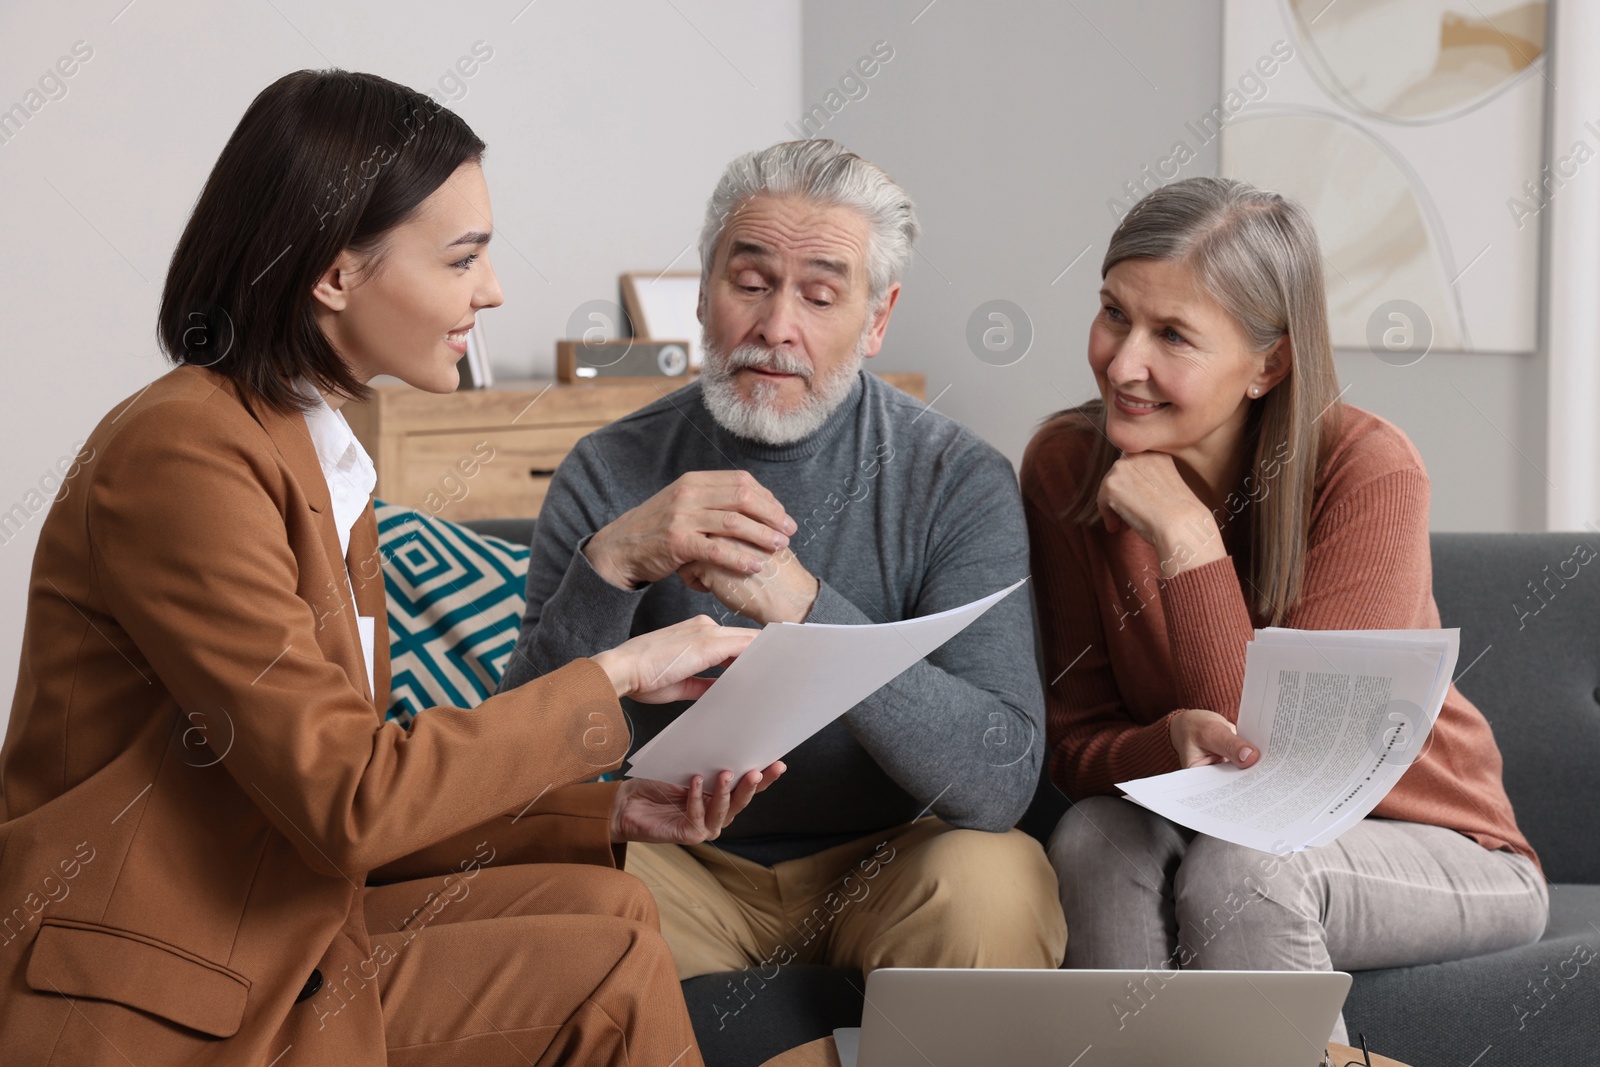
1145,492
659,668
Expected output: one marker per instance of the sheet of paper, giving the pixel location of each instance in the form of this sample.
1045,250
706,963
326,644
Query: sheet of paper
792,680
1338,716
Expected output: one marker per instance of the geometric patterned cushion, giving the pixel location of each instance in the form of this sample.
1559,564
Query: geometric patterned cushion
455,608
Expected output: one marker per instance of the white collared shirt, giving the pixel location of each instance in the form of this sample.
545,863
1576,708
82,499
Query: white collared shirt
351,477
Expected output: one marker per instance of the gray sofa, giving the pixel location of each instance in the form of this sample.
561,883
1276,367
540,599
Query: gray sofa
1529,611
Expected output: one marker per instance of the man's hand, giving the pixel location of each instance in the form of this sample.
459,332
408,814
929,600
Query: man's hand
782,591
657,812
1144,491
723,518
1203,737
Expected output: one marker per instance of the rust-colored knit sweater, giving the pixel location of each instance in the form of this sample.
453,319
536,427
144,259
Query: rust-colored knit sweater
1126,650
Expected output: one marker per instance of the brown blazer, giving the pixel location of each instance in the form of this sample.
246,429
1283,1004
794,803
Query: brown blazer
197,784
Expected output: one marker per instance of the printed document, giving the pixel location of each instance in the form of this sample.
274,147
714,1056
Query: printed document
1337,715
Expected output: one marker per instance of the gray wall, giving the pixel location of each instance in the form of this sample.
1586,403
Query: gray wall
1012,124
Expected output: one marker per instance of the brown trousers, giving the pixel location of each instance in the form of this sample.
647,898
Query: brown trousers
538,964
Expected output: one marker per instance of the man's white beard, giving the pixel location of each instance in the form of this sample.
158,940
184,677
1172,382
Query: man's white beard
757,419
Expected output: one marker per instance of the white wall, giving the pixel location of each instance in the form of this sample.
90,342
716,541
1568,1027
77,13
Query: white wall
1572,315
1011,123
607,125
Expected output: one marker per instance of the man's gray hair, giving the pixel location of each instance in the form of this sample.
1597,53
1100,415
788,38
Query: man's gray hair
824,172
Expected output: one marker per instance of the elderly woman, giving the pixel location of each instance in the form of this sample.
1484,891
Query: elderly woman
1218,484
221,851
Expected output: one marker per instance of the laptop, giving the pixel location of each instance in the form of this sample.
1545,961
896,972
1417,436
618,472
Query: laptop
944,1017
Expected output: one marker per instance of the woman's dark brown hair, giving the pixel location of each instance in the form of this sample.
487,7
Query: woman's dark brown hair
323,160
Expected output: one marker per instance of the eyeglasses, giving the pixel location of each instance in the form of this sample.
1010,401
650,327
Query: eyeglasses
1365,1061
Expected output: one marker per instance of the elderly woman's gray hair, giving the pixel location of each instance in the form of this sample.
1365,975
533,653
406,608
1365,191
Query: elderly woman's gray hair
825,172
1256,253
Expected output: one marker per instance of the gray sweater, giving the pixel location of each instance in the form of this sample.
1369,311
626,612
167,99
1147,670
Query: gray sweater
902,512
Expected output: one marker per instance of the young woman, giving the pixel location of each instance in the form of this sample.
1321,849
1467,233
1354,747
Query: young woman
1219,485
215,850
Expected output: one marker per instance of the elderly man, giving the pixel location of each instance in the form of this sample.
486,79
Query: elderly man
787,484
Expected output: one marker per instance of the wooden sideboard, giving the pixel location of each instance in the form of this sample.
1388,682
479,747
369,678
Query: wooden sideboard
490,453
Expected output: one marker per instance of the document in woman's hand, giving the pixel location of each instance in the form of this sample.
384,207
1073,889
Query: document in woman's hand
1338,716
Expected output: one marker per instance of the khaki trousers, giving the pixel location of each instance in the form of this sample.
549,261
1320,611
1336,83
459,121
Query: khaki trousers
921,895
535,964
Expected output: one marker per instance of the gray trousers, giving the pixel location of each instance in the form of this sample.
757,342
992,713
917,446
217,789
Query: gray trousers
1142,892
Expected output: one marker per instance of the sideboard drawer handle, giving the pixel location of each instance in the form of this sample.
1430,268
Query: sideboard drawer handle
541,472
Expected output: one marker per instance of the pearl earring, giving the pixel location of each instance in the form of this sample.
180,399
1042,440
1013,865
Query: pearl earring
1255,390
